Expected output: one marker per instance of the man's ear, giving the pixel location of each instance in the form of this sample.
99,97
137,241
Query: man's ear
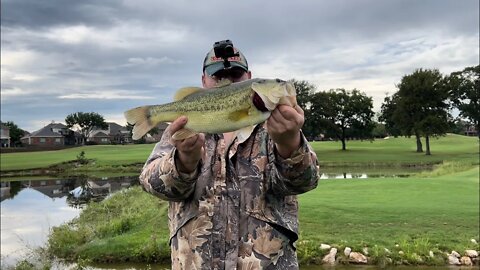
249,73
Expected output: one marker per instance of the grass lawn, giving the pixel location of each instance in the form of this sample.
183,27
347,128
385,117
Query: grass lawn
398,151
443,211
391,152
104,155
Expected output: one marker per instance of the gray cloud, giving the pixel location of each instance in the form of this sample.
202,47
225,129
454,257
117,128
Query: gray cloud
59,57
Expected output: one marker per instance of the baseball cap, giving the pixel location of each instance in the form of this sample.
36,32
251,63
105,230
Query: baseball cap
212,64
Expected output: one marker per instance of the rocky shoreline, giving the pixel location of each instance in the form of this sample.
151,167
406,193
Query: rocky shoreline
469,257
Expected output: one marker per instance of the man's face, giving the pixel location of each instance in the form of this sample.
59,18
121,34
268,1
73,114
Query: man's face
234,75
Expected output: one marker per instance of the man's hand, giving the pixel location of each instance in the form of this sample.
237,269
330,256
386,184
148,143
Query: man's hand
284,126
190,150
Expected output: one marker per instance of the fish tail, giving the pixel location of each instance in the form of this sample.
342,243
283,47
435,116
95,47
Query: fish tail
141,118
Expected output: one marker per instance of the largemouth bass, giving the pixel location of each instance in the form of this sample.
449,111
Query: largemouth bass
225,108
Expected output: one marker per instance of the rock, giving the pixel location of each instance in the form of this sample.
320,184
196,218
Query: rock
401,252
324,246
357,257
453,260
454,253
365,250
330,257
465,260
347,251
387,251
473,241
431,254
471,253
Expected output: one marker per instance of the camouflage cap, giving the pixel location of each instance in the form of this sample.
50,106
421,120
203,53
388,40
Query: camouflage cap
213,64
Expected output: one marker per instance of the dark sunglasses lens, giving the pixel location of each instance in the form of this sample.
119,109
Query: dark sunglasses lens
234,73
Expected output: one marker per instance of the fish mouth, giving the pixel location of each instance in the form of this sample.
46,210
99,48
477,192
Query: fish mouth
268,95
258,103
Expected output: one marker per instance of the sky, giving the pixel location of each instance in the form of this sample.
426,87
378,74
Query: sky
59,57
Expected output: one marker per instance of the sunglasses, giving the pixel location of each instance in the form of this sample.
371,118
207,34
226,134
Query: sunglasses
234,73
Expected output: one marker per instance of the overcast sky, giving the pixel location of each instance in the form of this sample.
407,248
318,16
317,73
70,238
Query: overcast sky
60,57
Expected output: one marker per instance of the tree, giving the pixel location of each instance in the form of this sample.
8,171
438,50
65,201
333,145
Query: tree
421,107
86,122
389,106
15,133
340,112
464,89
305,92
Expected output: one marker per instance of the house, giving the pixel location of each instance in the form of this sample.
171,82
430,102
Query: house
114,134
4,136
156,137
53,134
470,131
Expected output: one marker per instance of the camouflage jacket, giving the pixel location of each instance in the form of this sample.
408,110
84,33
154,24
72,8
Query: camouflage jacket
239,209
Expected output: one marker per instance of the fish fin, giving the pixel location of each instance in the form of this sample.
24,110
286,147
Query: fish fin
239,115
223,82
185,92
243,133
140,118
183,134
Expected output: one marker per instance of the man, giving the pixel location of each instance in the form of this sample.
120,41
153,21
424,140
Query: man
231,205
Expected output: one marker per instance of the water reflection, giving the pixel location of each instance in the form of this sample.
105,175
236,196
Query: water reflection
361,175
30,208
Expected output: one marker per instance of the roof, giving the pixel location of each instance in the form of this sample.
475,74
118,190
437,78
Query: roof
99,133
47,131
113,129
116,128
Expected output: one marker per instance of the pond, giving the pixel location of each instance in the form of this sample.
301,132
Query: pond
31,207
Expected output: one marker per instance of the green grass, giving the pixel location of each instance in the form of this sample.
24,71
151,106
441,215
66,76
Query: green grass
398,151
391,152
131,225
104,156
443,211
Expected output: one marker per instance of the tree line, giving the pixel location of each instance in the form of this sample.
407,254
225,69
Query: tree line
422,106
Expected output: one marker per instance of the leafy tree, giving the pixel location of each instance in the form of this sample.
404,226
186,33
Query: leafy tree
464,89
305,92
379,131
340,112
386,115
86,122
15,133
421,107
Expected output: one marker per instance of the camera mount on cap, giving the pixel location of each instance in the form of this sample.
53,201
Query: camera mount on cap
224,49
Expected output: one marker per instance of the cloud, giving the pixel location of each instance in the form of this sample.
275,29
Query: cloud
110,94
107,56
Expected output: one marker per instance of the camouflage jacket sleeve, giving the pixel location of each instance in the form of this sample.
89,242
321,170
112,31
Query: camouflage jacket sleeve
297,174
160,176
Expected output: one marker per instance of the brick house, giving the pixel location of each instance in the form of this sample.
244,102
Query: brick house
4,136
53,134
113,134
